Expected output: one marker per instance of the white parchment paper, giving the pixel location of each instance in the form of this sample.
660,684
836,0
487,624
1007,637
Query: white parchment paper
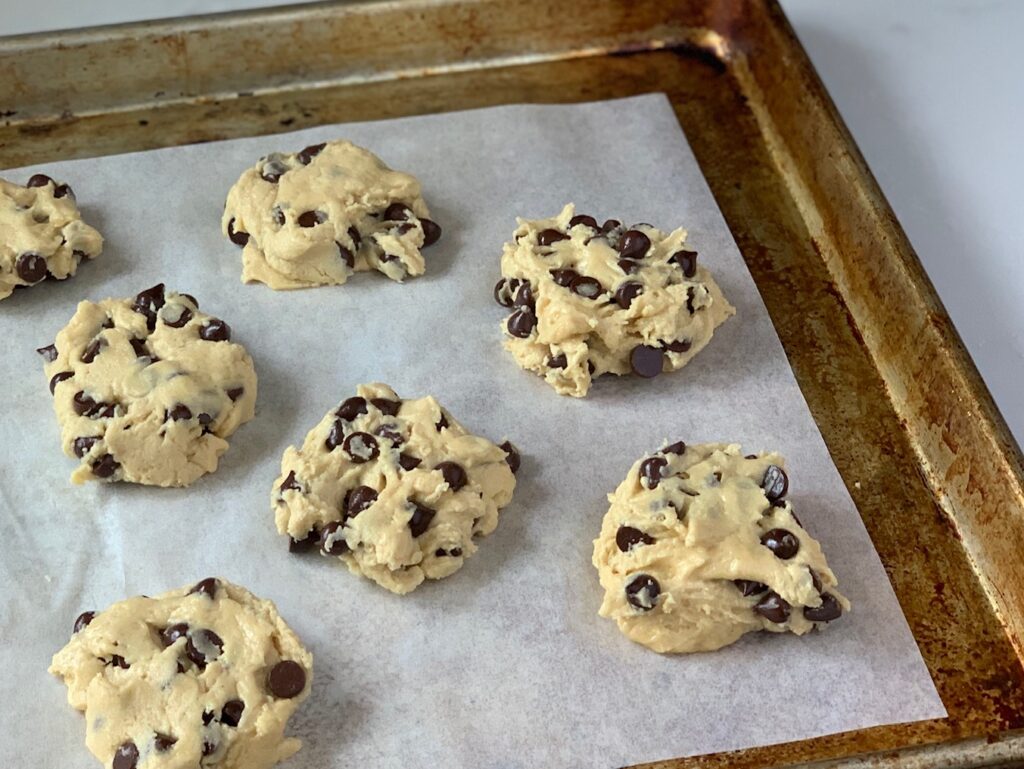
506,664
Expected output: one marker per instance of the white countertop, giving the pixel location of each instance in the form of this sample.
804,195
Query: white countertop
934,96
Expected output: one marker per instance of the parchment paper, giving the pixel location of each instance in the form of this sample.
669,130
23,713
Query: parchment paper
506,664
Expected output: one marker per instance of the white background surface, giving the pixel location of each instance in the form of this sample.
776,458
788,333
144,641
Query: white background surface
934,95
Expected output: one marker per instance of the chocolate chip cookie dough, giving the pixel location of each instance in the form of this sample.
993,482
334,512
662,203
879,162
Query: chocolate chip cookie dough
41,233
148,389
197,677
314,217
589,299
700,546
397,489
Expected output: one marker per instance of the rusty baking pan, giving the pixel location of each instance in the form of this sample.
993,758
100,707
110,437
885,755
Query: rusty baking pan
925,454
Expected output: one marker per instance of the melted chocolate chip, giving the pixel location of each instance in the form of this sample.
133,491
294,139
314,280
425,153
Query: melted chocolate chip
215,330
172,633
512,456
642,592
420,519
289,483
782,542
83,620
332,539
773,608
126,756
650,471
521,323
207,587
311,218
390,433
351,408
81,446
675,448
357,500
547,237
105,466
749,587
178,413
287,679
646,361
58,378
454,475
687,261
148,302
408,461
203,647
627,292
633,244
231,713
181,321
238,237
586,221
361,447
829,610
628,537
564,277
431,232
310,152
49,352
30,267
775,483
587,287
679,345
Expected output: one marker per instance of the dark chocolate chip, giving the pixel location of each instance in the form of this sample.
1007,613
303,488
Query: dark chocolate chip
442,423
455,552
628,537
203,647
148,302
687,261
351,408
633,244
454,475
239,237
278,215
336,435
628,266
105,466
773,608
547,237
408,461
289,483
231,713
345,255
49,352
749,587
117,661
89,353
397,212
564,277
357,239
610,224
273,170
332,539
357,500
524,296
627,292
691,294
207,717
81,446
63,190
646,361
675,448
39,180
181,321
587,287
387,406
586,221
178,413
207,587
126,756
58,378
139,346
828,611
311,218
170,634
679,345
521,323
420,519
360,447
83,620
650,471
775,483
643,591
391,433
559,361
815,579
310,152
163,742
235,393
209,746
512,456
215,330
305,544
505,291
782,542
287,679
30,267
431,232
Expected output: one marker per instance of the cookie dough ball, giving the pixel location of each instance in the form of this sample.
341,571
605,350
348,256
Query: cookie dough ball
197,677
397,489
589,299
314,217
700,546
148,389
42,234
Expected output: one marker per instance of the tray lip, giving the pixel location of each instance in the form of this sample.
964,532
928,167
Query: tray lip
970,752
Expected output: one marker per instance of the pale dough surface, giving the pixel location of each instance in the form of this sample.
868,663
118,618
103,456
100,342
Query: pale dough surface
41,233
141,395
694,533
412,522
316,216
176,699
570,337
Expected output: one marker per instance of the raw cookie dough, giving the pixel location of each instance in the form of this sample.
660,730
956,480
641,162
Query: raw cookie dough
41,233
314,217
589,300
206,676
700,546
147,389
397,489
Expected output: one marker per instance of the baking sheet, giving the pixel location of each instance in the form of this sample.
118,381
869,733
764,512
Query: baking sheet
505,664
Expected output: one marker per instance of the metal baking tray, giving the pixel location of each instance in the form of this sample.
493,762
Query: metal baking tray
925,454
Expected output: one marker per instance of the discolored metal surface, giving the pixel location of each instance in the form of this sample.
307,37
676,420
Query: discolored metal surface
922,449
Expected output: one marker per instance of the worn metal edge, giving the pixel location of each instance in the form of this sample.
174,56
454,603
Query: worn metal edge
975,753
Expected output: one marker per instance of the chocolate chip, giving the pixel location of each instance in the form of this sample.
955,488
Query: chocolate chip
391,433
610,224
332,539
310,152
305,544
351,408
587,287
749,587
278,215
30,267
181,321
311,218
627,292
163,742
512,456
815,579
178,413
687,261
586,221
345,255
289,483
357,240
420,519
675,448
524,296
105,466
58,378
215,330
505,291
81,446
126,756
628,266
83,620
679,345
591,368
203,647
207,717
564,277
234,393
643,591
89,353
633,244
117,661
361,447
397,212
454,475
170,634
357,500
139,346
646,361
209,746
39,180
773,608
691,294
782,542
828,611
273,170
86,406
408,461
239,237
148,302
287,679
442,423
521,323
336,435
207,587
627,538
431,232
547,237
775,483
231,713
387,406
559,361
62,191
49,352
650,471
